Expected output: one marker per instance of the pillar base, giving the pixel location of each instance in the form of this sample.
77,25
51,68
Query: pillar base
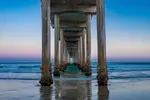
63,66
100,83
88,72
87,69
56,73
102,76
46,81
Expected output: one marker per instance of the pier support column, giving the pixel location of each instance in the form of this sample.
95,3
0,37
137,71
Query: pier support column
101,44
83,47
65,47
56,24
80,50
46,78
81,56
65,53
88,47
68,57
62,47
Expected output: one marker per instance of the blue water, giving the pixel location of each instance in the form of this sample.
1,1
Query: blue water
31,71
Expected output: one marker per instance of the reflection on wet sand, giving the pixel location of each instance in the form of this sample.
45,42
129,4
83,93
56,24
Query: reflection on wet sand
103,93
46,93
73,90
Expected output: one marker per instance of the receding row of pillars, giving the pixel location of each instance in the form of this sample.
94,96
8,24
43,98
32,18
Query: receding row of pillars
46,78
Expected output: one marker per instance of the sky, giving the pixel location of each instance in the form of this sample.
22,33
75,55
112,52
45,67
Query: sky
127,30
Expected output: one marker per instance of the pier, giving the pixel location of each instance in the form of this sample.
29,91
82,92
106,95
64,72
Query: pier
71,20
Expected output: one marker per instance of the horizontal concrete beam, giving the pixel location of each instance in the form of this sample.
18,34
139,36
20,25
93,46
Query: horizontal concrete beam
71,44
72,38
63,8
64,24
72,34
72,47
69,28
72,41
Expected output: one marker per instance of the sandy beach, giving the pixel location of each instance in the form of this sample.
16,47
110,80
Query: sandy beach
75,90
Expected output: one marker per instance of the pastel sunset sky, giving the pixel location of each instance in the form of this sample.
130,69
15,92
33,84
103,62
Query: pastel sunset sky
127,30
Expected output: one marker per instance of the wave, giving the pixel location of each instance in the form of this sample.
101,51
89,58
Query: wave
112,75
28,66
31,71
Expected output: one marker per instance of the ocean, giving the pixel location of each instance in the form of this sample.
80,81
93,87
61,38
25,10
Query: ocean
116,70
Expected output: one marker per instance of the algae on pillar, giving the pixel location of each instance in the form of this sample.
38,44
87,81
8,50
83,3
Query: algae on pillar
46,78
101,44
56,66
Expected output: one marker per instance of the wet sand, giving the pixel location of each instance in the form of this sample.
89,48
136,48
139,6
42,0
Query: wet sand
137,89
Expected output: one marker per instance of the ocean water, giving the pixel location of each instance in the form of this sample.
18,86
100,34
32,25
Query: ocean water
31,71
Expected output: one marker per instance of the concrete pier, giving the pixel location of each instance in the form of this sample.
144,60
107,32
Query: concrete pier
73,18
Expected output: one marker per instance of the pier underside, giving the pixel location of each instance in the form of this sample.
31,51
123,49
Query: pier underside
71,20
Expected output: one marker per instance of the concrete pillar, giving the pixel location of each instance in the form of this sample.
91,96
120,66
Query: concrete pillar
83,47
62,47
46,78
64,57
79,52
88,47
56,24
101,44
68,57
76,56
81,56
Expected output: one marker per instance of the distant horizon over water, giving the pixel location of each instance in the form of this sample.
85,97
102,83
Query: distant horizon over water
118,62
